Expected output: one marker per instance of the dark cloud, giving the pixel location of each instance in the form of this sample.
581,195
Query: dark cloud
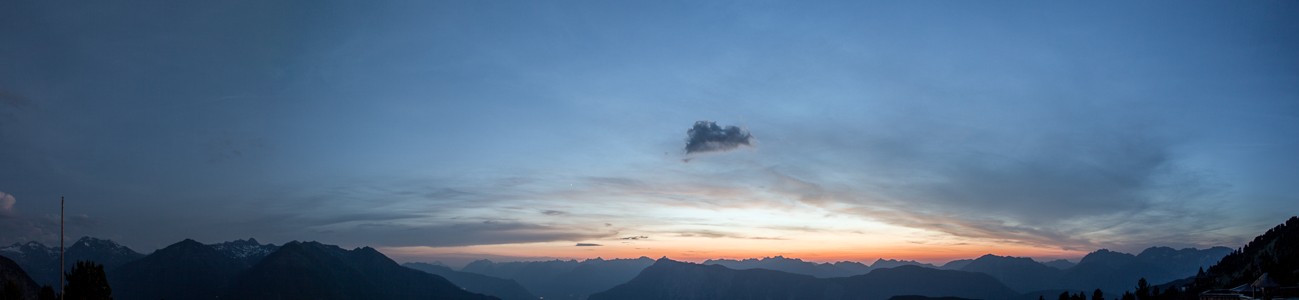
706,136
21,228
553,212
707,234
639,237
588,245
453,234
14,100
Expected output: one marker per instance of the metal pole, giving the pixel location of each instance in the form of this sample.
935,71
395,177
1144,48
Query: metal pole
61,248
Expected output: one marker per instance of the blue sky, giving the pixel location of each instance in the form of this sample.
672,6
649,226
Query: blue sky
905,128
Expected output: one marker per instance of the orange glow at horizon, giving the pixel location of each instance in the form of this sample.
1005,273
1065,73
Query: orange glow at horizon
701,251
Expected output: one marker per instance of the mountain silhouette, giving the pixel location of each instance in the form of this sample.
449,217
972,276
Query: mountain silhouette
1115,272
668,279
1275,252
956,264
794,265
505,289
560,279
248,251
311,270
1060,264
15,282
1019,273
893,263
184,270
41,262
38,261
101,251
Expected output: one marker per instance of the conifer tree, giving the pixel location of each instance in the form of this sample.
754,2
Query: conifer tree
87,281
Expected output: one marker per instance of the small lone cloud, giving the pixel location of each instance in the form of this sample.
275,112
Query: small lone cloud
588,245
7,204
553,212
706,136
639,237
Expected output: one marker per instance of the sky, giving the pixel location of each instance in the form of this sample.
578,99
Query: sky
445,130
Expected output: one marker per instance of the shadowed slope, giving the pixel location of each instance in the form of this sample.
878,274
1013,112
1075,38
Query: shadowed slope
506,289
668,279
184,270
311,270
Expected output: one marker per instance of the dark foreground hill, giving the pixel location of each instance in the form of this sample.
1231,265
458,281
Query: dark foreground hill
184,270
668,279
311,270
506,289
14,283
564,280
1275,253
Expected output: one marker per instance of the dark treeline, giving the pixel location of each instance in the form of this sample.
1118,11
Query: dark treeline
86,281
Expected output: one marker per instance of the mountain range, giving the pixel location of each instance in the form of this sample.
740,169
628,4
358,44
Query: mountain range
798,266
311,270
564,279
1103,269
668,279
242,269
42,262
184,270
506,289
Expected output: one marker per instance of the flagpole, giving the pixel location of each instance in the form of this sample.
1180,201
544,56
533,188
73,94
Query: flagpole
61,267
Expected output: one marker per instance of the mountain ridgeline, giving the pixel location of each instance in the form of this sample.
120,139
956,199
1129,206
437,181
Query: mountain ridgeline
184,270
820,270
42,262
506,289
668,279
564,279
1103,269
311,270
246,269
1275,253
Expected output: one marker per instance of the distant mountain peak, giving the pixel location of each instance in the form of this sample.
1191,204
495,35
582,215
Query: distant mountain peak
90,241
249,251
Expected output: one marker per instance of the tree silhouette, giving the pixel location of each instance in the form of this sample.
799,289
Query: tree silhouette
1098,295
12,290
1143,289
47,293
87,281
